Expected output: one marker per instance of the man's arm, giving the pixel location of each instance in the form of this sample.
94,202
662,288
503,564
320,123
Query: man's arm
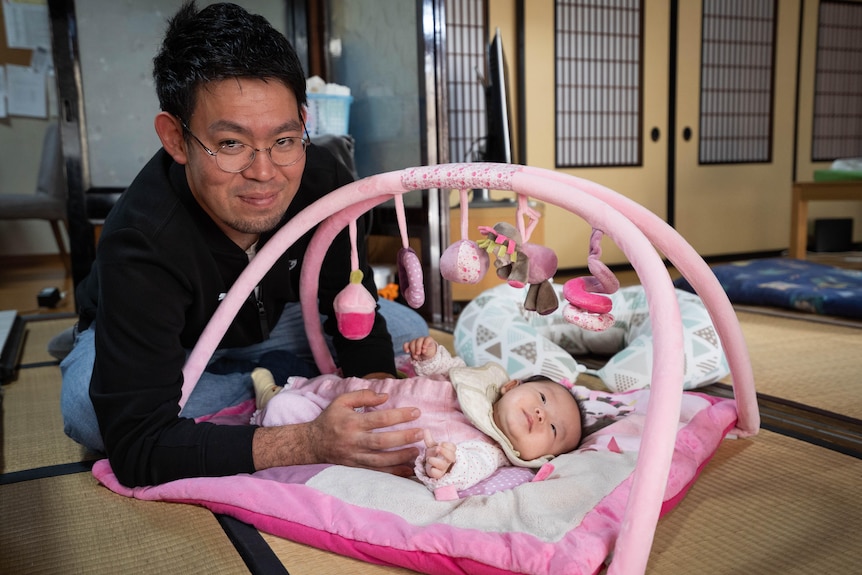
343,436
146,298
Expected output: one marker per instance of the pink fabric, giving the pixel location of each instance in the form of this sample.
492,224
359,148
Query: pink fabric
410,278
582,318
479,457
464,262
446,493
632,228
576,293
288,407
355,325
433,395
282,502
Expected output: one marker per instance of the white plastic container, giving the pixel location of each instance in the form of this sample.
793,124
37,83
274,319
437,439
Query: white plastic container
328,114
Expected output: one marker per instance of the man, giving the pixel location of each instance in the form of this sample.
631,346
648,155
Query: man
233,169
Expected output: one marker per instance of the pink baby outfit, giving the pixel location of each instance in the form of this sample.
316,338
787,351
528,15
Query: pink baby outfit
477,455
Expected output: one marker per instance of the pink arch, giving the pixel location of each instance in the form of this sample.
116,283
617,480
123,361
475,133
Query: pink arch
634,230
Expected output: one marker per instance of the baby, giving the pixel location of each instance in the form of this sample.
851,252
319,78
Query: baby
475,421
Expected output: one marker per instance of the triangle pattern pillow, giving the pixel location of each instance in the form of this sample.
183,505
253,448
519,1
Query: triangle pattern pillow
495,327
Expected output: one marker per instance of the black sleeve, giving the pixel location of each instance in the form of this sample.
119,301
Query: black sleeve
137,375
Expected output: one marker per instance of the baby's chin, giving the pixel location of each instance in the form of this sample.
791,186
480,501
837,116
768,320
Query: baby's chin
529,456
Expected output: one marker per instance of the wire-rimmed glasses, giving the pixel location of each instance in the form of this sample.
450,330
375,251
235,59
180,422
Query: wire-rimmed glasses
234,157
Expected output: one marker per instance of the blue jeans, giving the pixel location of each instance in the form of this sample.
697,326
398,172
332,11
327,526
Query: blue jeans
227,380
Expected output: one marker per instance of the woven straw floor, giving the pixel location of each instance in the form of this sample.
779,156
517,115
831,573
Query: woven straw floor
810,362
771,504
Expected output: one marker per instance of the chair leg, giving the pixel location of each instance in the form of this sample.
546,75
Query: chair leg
64,255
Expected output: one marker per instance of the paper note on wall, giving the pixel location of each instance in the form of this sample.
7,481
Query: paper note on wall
25,92
27,24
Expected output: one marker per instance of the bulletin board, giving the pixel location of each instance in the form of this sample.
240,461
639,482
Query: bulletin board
25,59
18,56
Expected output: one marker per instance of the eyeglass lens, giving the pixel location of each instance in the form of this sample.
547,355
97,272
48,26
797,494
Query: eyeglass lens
237,157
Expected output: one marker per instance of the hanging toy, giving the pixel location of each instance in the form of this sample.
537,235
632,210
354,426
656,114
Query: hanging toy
504,242
464,262
521,263
355,307
587,307
409,267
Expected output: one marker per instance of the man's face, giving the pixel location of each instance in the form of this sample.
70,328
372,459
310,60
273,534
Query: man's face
254,113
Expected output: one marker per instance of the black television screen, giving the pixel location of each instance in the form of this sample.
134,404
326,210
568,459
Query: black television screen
498,139
498,144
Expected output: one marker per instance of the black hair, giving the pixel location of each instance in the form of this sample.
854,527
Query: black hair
220,41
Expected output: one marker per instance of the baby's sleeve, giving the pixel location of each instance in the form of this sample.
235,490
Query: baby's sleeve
441,363
474,461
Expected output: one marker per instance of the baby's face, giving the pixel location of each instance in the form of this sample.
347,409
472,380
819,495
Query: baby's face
539,418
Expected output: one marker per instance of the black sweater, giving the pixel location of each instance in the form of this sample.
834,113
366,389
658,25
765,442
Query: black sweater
161,266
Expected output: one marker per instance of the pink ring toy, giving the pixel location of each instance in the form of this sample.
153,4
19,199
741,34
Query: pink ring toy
576,293
633,228
586,319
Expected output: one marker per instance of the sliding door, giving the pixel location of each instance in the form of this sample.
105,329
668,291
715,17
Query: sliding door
735,98
596,91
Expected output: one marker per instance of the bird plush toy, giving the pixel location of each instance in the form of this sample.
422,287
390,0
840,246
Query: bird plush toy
521,263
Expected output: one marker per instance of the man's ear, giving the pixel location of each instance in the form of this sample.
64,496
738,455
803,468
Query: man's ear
170,132
509,386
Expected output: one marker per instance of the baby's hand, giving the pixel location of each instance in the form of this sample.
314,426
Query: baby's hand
421,348
439,458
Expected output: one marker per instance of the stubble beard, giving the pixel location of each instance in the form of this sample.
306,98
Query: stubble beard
256,225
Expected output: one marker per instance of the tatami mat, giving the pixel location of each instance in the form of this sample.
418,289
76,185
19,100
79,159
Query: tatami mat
808,362
69,524
39,332
32,425
304,560
32,435
770,504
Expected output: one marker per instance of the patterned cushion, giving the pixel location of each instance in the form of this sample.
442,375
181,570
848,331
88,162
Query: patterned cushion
495,327
795,284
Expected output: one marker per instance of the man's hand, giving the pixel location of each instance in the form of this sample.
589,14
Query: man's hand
421,348
439,457
344,436
378,375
